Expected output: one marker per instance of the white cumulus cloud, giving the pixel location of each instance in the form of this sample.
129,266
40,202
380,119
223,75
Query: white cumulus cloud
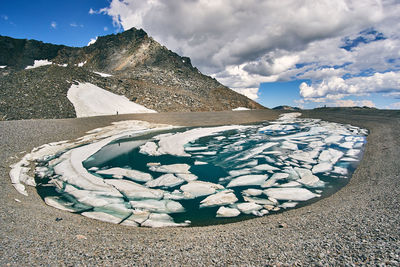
243,43
379,82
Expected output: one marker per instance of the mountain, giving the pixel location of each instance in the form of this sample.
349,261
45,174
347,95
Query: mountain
286,108
138,67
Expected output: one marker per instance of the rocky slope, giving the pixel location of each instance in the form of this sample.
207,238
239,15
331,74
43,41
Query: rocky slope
141,69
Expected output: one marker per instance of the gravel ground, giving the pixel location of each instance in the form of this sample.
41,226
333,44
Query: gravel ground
358,225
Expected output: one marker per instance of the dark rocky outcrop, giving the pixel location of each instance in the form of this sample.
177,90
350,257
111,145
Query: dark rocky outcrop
286,108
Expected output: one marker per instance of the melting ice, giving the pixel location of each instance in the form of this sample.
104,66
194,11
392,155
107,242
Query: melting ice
207,175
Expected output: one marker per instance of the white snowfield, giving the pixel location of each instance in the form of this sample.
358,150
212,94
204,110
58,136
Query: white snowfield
39,63
90,100
240,109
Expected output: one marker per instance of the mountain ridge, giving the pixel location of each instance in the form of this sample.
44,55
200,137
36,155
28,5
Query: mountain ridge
141,69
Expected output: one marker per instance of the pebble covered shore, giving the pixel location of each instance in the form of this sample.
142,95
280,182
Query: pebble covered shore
359,225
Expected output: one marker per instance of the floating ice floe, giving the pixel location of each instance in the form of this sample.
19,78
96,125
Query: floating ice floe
294,194
166,180
173,168
158,206
287,205
257,200
322,167
187,176
227,212
247,180
135,191
134,175
252,192
162,220
274,178
266,167
307,178
258,150
200,188
195,149
241,172
219,199
248,207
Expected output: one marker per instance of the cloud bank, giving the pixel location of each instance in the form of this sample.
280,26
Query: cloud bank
340,47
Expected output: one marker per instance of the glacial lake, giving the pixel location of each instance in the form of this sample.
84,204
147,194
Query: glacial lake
212,175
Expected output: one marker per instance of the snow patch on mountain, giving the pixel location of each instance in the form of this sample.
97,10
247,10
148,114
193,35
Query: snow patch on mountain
90,100
39,63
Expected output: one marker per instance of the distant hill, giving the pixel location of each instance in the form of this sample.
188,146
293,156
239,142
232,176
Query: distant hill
129,63
345,108
286,108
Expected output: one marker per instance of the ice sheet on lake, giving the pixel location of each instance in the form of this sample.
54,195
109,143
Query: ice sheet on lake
258,150
277,127
175,144
294,155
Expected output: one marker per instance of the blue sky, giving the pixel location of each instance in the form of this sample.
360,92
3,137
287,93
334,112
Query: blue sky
59,22
298,53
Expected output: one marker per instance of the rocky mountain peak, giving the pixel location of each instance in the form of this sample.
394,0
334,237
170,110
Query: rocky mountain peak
136,65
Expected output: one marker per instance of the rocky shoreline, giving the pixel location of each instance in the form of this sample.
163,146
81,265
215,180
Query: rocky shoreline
356,226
